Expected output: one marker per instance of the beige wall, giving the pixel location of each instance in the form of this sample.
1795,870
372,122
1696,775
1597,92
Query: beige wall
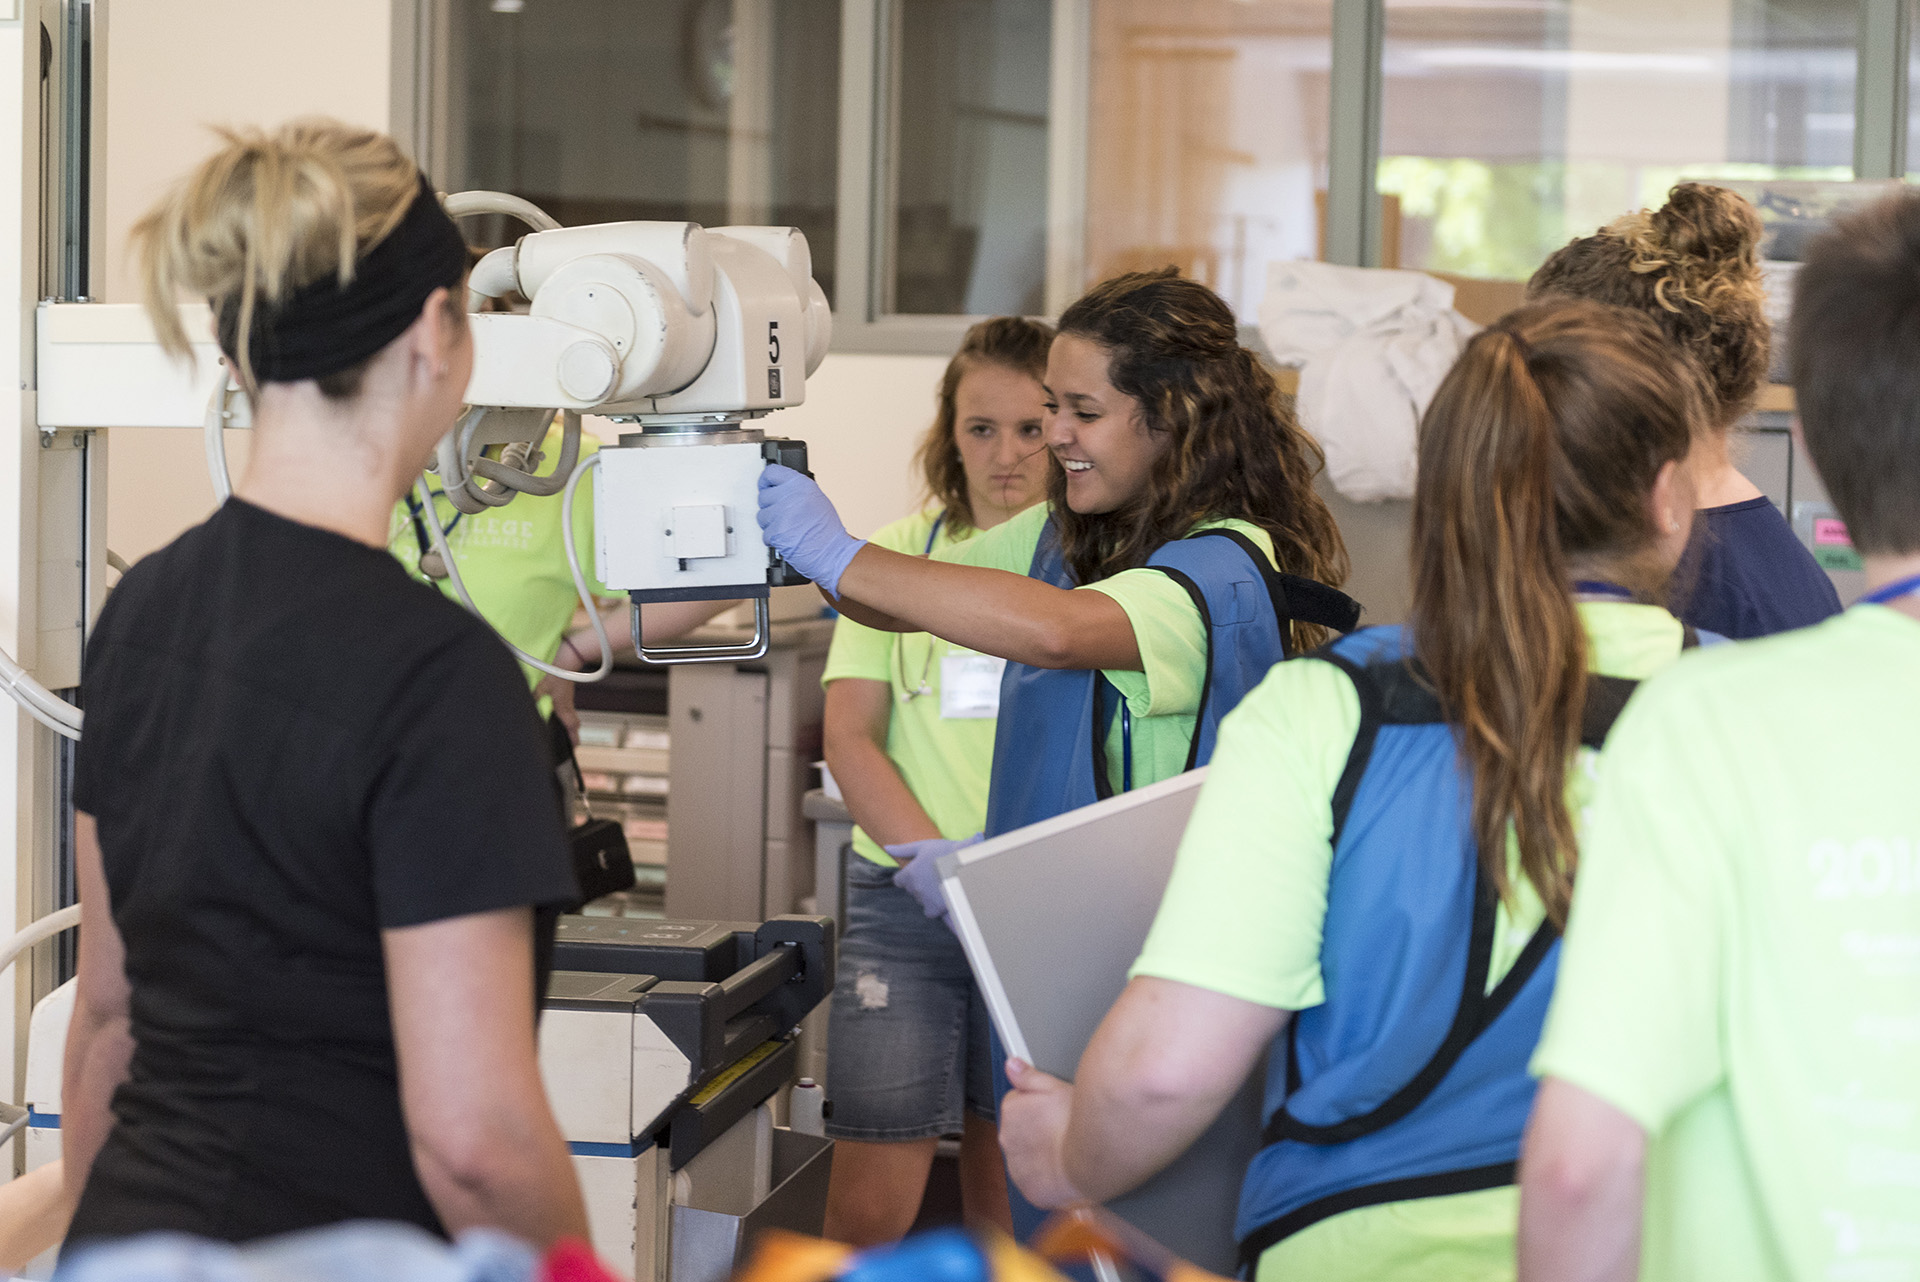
862,421
173,68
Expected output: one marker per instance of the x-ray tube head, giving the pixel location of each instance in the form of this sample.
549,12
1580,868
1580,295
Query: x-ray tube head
685,332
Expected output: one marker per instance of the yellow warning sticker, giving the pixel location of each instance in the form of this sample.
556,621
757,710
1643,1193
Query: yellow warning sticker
734,1073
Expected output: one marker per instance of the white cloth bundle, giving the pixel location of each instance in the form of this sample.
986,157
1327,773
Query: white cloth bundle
1373,346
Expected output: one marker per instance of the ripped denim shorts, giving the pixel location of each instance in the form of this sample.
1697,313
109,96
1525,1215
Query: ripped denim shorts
907,1045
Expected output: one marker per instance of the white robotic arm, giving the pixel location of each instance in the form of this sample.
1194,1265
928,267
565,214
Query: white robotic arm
686,333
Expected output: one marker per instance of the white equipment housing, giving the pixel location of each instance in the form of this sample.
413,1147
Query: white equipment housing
685,332
653,321
688,333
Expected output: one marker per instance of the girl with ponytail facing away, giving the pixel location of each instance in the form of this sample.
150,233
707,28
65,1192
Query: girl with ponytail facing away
319,846
1692,267
1372,884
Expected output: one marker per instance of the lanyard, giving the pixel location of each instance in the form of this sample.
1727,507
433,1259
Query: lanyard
1126,745
1602,588
934,533
1909,586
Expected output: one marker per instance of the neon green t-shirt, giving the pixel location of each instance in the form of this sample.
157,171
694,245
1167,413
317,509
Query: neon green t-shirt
1247,902
512,558
946,761
1741,974
1165,694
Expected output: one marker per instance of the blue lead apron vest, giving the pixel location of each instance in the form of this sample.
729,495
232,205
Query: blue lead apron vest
1410,1080
1049,750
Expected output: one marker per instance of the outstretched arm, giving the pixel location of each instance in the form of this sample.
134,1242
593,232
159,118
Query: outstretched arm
992,611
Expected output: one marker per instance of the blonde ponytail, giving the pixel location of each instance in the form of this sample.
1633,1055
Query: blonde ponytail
265,215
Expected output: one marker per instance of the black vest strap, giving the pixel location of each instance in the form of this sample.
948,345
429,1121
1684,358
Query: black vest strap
1399,693
1606,699
1293,598
1206,627
1475,1013
1444,1184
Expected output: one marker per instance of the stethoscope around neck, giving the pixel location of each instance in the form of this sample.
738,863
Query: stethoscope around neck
430,563
907,694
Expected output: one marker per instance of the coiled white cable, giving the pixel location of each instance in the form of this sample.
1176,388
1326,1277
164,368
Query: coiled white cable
439,535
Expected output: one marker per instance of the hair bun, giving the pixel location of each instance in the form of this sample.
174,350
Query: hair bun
1708,224
1701,247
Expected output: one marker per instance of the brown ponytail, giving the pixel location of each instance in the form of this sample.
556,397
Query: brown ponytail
1693,267
266,214
1011,342
1540,449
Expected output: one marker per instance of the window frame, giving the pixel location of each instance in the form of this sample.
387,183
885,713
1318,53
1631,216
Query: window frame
868,107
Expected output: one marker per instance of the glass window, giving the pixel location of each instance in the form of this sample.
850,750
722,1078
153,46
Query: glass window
1511,126
712,111
1207,138
969,155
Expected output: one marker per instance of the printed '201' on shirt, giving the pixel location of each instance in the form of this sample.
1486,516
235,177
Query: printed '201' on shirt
1741,971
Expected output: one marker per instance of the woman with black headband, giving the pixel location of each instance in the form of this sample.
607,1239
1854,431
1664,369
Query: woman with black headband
318,840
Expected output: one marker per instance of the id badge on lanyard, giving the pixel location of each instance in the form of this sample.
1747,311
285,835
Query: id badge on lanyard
970,685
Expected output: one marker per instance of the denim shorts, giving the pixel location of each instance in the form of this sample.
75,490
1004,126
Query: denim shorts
907,1045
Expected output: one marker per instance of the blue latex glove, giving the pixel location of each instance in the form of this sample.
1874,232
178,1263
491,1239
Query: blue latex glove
919,873
798,522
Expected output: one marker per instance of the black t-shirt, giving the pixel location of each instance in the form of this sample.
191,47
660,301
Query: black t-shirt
289,747
1745,575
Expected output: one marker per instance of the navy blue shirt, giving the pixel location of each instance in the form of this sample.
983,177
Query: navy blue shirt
1744,574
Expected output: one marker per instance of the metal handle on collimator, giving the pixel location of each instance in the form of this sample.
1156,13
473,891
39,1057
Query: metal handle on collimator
726,652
